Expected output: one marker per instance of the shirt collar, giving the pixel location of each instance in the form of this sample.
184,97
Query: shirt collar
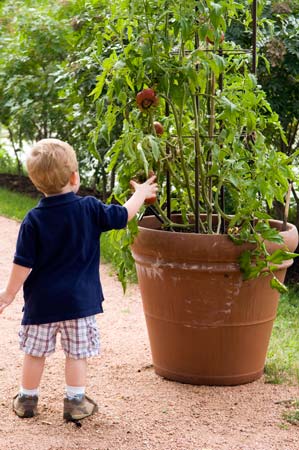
57,200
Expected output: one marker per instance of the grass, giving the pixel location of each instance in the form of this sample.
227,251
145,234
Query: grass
15,205
282,365
291,414
292,417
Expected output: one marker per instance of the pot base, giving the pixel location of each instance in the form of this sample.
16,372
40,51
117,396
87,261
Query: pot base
206,325
209,380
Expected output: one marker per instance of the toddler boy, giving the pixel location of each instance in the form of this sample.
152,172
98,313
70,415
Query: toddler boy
57,262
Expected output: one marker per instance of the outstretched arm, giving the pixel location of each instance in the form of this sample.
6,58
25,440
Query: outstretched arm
16,280
142,192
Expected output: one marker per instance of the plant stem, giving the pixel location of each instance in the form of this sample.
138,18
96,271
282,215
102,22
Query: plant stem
211,109
172,172
167,222
200,163
216,202
181,147
286,209
145,3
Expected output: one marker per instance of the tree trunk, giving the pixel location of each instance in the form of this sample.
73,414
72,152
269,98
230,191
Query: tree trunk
16,152
278,210
112,179
104,183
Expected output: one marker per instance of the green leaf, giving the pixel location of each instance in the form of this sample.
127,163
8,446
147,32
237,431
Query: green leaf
262,215
268,233
143,158
278,285
114,152
129,82
203,30
215,13
280,255
185,28
217,64
245,262
230,107
154,147
253,80
236,240
96,92
251,121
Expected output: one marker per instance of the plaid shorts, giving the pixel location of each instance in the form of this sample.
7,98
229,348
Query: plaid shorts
79,338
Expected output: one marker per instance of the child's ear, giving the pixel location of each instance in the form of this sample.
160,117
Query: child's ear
73,178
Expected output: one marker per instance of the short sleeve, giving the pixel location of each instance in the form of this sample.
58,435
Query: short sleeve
112,217
26,245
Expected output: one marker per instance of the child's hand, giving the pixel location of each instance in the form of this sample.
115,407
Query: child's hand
144,192
5,300
148,189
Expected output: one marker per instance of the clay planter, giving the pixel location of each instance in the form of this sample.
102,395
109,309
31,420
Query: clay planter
205,324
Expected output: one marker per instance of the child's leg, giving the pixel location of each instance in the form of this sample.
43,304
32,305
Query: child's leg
77,405
75,372
33,367
37,341
79,340
25,403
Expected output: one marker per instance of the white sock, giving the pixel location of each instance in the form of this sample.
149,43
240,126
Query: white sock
30,392
74,391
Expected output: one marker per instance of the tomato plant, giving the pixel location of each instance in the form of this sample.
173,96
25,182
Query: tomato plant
210,104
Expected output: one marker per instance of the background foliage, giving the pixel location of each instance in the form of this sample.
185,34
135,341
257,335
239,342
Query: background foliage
53,54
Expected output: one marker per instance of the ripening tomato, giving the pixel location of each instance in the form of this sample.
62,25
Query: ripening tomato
159,128
150,200
209,41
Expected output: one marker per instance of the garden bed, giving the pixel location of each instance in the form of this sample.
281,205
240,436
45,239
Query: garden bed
138,410
22,184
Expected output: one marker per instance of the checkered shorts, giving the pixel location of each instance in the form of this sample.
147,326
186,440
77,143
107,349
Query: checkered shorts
79,338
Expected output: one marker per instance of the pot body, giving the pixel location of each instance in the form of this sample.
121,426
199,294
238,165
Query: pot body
206,325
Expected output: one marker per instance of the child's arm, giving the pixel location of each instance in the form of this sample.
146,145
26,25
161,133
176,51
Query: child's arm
16,280
142,192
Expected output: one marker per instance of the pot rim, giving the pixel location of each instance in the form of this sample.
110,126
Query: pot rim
276,223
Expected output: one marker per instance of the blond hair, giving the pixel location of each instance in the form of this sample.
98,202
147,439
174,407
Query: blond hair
50,165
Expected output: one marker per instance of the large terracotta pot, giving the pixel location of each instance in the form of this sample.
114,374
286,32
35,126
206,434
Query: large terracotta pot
205,324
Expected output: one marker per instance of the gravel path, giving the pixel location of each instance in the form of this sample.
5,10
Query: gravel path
137,409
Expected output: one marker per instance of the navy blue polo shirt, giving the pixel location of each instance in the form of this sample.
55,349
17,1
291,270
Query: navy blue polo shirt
59,240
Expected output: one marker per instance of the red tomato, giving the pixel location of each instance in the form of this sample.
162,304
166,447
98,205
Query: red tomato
146,98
